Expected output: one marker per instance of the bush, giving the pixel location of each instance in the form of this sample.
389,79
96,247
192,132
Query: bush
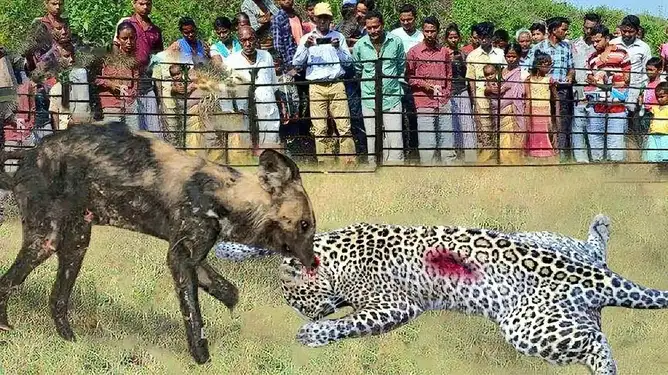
94,20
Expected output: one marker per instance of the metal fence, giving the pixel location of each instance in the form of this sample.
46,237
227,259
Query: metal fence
228,127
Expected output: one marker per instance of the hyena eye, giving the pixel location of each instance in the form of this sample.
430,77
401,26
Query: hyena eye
304,224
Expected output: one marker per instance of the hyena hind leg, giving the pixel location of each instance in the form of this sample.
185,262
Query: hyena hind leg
71,254
37,247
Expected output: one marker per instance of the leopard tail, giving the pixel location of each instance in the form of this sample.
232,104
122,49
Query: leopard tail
623,292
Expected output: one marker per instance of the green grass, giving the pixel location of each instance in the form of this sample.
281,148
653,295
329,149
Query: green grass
126,317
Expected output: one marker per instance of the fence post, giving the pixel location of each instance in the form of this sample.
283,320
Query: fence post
186,72
378,112
605,128
253,127
497,123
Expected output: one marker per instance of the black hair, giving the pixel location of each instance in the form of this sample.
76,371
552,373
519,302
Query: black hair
555,23
593,17
662,86
484,29
539,58
601,29
513,47
125,25
452,27
222,22
431,20
655,62
374,14
312,3
537,26
186,21
631,21
408,8
370,4
501,34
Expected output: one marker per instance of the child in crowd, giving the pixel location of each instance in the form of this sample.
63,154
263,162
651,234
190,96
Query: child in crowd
656,147
59,95
541,90
654,68
538,32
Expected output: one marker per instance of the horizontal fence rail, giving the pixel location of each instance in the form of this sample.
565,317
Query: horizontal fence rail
334,126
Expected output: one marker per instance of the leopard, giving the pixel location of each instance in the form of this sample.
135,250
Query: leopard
544,290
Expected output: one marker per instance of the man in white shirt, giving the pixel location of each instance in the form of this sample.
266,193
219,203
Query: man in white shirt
582,48
639,53
410,36
260,62
408,33
324,51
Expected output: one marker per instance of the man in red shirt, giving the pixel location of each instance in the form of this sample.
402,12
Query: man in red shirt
429,74
609,75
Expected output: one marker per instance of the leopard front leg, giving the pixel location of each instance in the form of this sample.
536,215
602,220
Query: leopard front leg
373,319
237,252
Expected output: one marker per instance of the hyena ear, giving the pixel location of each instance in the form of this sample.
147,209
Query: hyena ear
276,171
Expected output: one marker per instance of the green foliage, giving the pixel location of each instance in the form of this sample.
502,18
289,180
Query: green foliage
94,20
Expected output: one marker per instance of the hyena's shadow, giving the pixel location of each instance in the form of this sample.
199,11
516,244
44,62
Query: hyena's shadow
101,316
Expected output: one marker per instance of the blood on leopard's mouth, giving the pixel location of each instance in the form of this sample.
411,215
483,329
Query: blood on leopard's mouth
311,271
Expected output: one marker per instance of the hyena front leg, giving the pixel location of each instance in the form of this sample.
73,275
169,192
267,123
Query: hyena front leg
217,286
71,252
187,253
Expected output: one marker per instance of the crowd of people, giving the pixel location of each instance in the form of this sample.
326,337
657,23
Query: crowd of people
492,95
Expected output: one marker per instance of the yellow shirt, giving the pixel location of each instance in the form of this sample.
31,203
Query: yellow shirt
475,62
659,122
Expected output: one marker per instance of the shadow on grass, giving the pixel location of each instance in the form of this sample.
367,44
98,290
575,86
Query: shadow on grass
98,316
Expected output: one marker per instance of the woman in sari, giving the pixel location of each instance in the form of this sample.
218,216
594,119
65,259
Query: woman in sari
509,99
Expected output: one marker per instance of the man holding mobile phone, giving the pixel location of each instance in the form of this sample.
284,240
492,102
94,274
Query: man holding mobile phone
325,53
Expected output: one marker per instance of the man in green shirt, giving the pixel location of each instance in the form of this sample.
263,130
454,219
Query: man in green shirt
378,44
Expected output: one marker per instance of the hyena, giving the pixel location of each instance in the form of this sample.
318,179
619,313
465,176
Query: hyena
109,175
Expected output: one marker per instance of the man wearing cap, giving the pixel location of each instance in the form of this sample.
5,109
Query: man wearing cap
325,52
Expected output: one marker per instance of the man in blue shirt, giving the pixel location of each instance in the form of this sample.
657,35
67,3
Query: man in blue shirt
325,52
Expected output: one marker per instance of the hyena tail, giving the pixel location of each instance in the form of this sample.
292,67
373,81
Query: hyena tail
6,181
622,292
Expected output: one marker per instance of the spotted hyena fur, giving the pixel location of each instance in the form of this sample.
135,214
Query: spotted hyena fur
544,290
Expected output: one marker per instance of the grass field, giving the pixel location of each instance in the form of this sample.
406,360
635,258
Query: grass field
126,317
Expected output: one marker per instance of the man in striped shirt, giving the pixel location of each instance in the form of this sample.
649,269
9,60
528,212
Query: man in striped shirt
609,66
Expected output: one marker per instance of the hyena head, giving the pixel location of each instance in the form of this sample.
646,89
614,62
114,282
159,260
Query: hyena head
269,209
289,225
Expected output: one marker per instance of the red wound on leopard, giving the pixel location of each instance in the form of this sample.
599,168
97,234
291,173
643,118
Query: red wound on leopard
443,262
